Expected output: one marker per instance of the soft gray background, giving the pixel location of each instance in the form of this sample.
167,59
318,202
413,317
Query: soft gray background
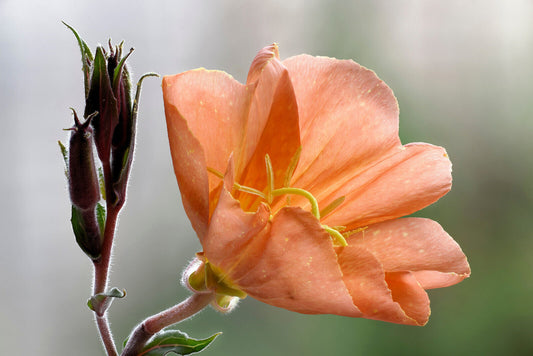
461,70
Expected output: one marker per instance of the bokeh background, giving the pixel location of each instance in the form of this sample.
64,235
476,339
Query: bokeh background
462,71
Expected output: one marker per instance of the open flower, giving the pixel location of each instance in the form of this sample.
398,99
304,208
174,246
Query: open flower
295,183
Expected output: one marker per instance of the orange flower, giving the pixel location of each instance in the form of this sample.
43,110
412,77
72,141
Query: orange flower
295,184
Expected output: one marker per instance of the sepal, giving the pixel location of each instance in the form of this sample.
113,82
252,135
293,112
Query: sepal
86,58
87,232
64,154
124,138
225,303
201,276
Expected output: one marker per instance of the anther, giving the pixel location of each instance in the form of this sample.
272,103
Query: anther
332,206
215,172
355,231
249,190
292,167
270,178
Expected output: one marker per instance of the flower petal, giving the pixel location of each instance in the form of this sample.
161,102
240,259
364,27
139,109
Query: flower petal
392,297
232,231
414,177
348,119
294,266
272,127
189,166
407,292
215,107
417,245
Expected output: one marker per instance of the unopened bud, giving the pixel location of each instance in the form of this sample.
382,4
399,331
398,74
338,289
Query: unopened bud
83,180
108,91
114,128
84,188
100,98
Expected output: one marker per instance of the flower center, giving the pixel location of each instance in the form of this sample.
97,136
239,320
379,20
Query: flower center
337,233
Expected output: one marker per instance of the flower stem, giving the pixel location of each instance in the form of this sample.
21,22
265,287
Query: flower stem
105,335
144,331
101,265
101,271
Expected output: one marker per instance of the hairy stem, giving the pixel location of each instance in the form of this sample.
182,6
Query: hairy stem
105,335
101,265
144,331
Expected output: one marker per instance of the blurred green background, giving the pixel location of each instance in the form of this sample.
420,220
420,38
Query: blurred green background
462,72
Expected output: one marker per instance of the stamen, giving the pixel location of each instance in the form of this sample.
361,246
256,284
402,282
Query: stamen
249,190
335,235
237,186
215,172
292,167
332,206
355,231
303,193
270,178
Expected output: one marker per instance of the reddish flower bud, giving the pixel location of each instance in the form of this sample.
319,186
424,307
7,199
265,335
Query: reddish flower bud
112,112
84,188
109,93
83,180
100,98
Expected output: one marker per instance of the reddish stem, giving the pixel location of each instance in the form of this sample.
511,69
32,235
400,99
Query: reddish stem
105,335
144,331
101,265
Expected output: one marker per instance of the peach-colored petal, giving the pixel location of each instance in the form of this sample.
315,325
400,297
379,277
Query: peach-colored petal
417,245
380,296
231,230
262,60
190,168
215,107
272,127
414,177
407,292
348,119
294,266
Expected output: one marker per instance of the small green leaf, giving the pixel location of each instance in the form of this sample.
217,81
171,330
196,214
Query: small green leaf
101,179
135,108
87,237
101,301
117,74
174,341
64,153
100,217
86,57
78,227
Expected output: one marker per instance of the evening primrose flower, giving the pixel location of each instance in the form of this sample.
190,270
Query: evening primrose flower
295,184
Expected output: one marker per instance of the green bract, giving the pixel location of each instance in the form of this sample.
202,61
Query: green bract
174,341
